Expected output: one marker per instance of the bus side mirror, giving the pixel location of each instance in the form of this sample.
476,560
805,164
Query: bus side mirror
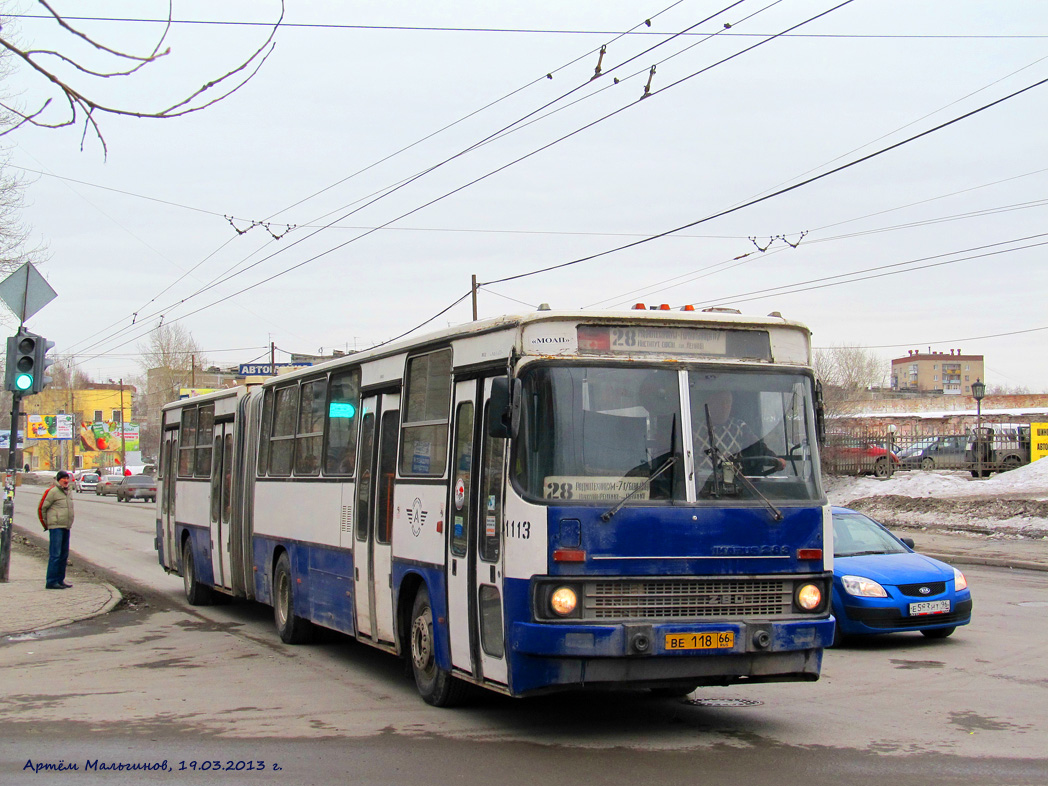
820,415
504,408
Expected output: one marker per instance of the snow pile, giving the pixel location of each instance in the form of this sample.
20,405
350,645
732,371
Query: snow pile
1029,481
1008,504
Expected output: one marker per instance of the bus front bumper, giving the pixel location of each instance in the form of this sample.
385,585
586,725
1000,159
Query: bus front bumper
551,656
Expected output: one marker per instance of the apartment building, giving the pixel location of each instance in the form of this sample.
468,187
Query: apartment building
949,372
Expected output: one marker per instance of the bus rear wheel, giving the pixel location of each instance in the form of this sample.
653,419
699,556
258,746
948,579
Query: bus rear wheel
435,685
292,628
197,594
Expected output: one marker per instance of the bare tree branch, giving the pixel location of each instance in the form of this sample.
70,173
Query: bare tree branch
83,107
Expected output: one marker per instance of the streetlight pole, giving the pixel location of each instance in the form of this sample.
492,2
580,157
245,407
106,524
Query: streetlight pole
978,392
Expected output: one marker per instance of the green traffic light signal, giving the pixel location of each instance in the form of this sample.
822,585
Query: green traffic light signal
23,381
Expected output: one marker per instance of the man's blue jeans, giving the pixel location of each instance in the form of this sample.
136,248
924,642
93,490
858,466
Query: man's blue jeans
57,556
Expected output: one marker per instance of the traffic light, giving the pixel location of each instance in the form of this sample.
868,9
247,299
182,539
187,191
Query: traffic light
41,363
27,363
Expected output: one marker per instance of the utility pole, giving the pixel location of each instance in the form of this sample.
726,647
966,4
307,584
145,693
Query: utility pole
474,289
123,426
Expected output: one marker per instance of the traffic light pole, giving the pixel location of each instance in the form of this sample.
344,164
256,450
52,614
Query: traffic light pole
7,520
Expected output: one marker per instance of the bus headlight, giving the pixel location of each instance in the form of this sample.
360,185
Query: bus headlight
563,601
809,597
862,587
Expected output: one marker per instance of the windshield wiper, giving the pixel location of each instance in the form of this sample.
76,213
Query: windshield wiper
865,553
606,515
717,460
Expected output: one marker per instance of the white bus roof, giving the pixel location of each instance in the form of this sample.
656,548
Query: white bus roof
652,318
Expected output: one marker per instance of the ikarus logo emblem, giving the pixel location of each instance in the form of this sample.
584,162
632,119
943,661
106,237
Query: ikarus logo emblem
417,517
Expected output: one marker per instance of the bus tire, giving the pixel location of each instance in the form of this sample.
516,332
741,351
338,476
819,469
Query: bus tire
674,692
435,685
292,628
197,594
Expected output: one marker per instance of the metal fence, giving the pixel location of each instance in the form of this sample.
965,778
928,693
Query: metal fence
995,447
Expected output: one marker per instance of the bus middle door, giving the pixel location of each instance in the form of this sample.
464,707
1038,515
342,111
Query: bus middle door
373,528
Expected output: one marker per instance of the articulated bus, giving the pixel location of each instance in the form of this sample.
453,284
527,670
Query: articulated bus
527,503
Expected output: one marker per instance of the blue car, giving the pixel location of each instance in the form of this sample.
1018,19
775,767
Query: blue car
881,585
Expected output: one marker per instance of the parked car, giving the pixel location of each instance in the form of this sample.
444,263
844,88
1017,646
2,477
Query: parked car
844,454
85,481
136,487
1000,447
946,452
107,484
881,585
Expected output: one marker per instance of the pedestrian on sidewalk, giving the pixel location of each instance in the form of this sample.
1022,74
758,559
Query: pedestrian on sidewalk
56,517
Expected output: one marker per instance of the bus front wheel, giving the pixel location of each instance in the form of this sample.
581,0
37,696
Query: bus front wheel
435,685
292,628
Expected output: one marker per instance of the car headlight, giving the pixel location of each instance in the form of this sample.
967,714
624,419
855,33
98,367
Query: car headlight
862,587
563,601
959,581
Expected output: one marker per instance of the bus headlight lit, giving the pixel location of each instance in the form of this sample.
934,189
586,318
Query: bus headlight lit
563,601
809,597
862,587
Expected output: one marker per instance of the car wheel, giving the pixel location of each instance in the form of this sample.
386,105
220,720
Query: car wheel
927,463
435,685
880,467
939,633
1011,462
292,628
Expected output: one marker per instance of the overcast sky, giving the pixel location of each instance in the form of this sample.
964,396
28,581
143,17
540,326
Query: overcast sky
316,135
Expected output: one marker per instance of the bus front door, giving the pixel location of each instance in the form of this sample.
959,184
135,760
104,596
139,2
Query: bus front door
373,527
474,545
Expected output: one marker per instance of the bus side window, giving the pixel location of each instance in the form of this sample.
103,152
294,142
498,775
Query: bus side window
343,412
424,431
285,413
265,431
490,513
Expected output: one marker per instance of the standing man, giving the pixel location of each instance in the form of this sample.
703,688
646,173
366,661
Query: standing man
56,517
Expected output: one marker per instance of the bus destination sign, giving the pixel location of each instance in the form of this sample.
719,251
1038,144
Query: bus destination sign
663,340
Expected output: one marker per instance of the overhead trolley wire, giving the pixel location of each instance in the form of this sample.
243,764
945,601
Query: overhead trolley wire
219,281
520,30
774,194
802,286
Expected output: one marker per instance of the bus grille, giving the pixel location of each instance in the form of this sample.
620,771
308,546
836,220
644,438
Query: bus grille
687,599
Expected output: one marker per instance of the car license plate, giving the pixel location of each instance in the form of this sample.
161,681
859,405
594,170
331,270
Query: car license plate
929,607
711,640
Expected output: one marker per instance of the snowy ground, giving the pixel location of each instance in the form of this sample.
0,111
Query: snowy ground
1007,504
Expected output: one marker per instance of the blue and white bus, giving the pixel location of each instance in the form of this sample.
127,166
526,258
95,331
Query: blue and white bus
527,503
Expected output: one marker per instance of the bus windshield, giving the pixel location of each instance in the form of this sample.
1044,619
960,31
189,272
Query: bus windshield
600,434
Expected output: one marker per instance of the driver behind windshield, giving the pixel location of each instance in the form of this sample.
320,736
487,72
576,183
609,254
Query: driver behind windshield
735,440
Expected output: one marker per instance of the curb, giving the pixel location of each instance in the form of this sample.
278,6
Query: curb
955,558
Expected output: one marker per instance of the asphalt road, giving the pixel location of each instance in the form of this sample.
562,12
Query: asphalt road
161,681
